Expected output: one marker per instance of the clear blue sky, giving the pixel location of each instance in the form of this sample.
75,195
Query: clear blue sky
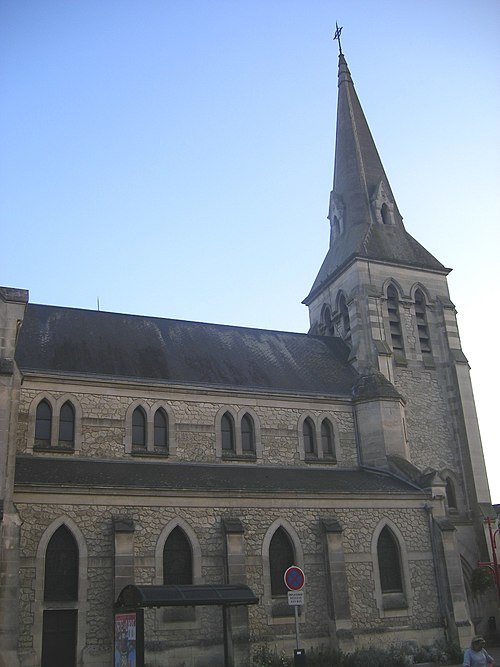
174,157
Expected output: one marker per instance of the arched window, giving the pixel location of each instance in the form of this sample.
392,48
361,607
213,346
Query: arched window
227,432
394,320
139,428
160,429
344,319
55,423
43,424
385,214
281,557
61,567
335,227
422,327
67,425
389,563
326,321
247,434
59,631
308,434
451,496
177,559
327,439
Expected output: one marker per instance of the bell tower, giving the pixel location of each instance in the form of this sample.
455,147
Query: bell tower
363,291
388,298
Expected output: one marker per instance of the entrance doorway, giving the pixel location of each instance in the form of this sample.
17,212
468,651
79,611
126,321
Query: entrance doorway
59,637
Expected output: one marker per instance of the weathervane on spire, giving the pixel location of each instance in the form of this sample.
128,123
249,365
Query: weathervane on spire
337,36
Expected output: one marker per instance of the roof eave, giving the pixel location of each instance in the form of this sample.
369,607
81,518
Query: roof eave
357,257
198,388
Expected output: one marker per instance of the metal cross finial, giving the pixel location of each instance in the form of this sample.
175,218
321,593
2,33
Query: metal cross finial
337,36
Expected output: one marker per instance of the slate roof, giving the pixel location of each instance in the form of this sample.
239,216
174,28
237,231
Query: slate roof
79,474
384,243
359,173
85,342
372,383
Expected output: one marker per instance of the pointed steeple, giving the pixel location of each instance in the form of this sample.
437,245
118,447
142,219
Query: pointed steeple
364,218
358,169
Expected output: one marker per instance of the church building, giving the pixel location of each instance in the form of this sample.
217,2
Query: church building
148,451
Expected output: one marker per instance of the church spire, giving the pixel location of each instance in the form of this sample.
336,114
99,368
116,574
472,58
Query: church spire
364,218
359,174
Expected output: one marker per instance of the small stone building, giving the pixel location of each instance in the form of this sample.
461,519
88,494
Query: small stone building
154,451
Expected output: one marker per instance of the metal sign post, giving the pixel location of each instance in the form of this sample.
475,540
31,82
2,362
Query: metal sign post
294,580
296,598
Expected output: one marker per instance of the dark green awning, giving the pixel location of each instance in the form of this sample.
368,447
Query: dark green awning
187,595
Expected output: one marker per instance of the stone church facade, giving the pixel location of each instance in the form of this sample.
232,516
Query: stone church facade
154,451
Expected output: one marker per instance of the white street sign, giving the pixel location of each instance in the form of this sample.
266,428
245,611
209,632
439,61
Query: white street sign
295,598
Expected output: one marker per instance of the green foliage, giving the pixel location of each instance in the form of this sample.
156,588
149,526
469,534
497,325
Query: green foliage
440,652
398,655
481,580
263,656
394,656
324,656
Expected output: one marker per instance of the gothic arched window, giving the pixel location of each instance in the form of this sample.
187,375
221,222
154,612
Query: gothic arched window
160,429
309,439
177,559
281,557
336,226
43,424
344,319
227,432
451,496
389,562
247,434
394,320
327,443
67,425
422,326
326,321
139,428
60,625
385,214
61,567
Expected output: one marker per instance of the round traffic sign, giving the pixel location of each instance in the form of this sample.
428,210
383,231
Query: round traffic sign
294,578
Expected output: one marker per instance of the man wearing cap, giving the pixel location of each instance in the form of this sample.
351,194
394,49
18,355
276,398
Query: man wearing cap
476,655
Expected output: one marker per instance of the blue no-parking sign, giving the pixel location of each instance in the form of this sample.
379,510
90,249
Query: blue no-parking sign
294,578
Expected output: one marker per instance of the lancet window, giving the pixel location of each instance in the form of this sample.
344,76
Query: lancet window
422,326
139,433
67,425
247,434
227,431
389,563
394,319
281,557
177,559
43,426
160,425
60,595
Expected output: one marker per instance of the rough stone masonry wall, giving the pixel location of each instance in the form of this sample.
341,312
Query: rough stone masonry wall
95,523
429,426
357,537
104,415
428,417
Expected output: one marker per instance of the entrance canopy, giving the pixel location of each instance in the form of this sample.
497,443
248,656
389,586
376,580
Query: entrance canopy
187,595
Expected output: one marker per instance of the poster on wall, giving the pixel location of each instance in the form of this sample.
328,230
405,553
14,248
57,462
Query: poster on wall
129,639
